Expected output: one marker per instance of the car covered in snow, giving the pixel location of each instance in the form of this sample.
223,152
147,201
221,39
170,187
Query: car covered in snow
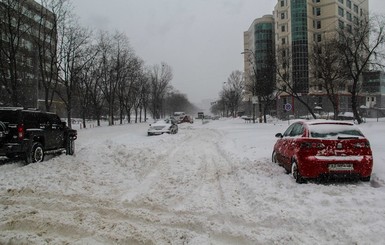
323,149
162,126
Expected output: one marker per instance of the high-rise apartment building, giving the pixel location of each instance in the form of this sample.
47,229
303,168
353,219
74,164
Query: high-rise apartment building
28,39
299,25
258,56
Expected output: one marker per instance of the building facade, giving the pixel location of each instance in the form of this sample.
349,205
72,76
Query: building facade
28,43
258,57
300,26
373,90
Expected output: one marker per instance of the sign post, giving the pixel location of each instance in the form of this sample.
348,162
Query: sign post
288,107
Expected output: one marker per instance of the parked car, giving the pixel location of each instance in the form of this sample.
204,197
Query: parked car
163,126
187,119
31,134
317,149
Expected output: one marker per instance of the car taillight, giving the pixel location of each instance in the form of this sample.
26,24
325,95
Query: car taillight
20,131
312,145
362,145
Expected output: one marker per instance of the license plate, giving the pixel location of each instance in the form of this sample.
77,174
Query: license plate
341,167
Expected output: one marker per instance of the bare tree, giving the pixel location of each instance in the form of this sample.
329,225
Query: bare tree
73,41
361,47
160,78
129,91
97,99
122,60
107,84
329,70
144,91
53,15
176,101
261,81
87,94
232,92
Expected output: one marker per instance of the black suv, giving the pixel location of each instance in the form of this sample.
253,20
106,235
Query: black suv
31,134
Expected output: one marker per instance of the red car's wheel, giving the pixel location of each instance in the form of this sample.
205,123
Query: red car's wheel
295,172
274,157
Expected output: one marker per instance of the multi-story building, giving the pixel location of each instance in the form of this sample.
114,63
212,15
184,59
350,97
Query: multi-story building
258,56
27,52
373,89
299,26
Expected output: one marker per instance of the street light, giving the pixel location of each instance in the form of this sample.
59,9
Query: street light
255,99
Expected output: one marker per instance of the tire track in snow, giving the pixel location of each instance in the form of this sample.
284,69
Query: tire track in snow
196,180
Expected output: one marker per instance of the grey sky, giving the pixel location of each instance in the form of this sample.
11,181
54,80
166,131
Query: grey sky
201,40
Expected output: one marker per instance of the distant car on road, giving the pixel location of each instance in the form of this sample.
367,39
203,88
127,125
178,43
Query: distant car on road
162,126
179,115
187,119
316,149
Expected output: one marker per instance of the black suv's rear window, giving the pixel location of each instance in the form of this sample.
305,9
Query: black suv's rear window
9,116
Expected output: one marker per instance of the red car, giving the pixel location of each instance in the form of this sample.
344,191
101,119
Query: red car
187,119
317,149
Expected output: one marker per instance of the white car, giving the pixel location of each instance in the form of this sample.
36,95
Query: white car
163,126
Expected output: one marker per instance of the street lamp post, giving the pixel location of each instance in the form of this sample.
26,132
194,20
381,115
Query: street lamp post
255,99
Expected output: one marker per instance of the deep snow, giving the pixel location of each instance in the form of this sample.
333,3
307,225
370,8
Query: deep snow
211,183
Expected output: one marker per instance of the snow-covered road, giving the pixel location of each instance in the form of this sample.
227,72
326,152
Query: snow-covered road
209,184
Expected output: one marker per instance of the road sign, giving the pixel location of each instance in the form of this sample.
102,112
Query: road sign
288,107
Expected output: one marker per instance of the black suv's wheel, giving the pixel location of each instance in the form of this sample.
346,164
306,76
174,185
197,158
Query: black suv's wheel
70,148
36,154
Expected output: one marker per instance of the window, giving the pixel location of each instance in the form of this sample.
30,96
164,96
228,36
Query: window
283,41
320,99
318,11
349,28
318,37
288,130
341,24
349,3
282,3
356,22
297,130
349,16
340,11
283,16
319,24
355,8
283,28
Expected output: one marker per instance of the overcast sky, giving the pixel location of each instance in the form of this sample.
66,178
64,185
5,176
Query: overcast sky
201,40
